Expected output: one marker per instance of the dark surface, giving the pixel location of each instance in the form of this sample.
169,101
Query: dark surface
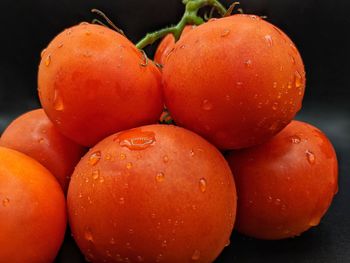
319,29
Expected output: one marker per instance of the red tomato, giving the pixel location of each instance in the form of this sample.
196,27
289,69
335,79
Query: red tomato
32,210
167,46
286,185
237,81
155,193
91,80
35,135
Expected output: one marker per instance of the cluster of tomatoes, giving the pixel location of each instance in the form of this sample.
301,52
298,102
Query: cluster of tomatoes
163,193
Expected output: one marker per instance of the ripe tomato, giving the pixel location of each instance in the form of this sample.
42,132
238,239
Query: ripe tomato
91,80
237,81
167,46
32,210
286,185
34,135
155,193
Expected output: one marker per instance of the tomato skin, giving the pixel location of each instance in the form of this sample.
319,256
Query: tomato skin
32,210
91,79
170,197
236,81
286,185
167,45
35,135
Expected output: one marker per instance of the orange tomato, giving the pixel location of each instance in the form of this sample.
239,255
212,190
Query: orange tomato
286,185
153,193
91,80
32,210
34,135
236,81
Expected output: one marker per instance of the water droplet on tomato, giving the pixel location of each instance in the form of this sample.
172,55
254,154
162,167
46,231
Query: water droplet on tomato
277,201
239,84
314,221
84,23
94,158
269,40
275,106
248,63
95,174
228,243
295,139
164,244
310,157
196,255
136,139
122,156
112,241
292,59
60,45
121,200
108,157
42,54
88,235
48,60
6,202
101,179
206,105
165,159
140,259
129,165
203,185
225,33
159,258
58,101
298,79
88,33
160,177
41,140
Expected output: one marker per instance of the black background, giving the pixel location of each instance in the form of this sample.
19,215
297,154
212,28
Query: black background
320,29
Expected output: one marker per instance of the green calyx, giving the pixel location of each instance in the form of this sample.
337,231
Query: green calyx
190,17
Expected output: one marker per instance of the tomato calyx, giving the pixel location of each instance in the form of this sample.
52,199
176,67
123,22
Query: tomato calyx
190,17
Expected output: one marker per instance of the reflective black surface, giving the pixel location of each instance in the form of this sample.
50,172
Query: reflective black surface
319,29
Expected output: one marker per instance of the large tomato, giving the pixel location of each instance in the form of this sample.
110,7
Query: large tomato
91,80
35,135
237,81
286,185
155,193
32,210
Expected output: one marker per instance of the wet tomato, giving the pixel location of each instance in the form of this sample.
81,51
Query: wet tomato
155,193
237,81
32,210
91,80
34,135
286,185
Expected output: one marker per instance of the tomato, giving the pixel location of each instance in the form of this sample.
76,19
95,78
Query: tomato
236,81
155,193
167,46
32,210
286,185
34,135
91,79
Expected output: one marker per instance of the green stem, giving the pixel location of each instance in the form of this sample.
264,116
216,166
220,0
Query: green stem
190,17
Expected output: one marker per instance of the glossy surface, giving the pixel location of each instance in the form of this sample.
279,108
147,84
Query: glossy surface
156,193
286,185
32,210
236,81
91,80
34,135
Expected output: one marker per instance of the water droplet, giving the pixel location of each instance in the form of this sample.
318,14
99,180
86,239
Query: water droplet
206,105
298,79
131,231
129,165
239,84
194,207
6,202
310,157
121,200
295,50
69,32
84,23
159,258
41,140
136,139
314,221
196,255
275,106
119,258
268,40
203,185
277,201
140,259
95,158
165,159
101,179
88,33
108,157
112,241
292,59
295,139
42,54
160,177
164,244
289,86
192,153
248,63
228,243
58,101
228,97
95,174
48,60
225,33
128,245
269,199
60,45
88,235
182,46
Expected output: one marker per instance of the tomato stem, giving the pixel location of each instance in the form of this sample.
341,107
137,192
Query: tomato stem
190,17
